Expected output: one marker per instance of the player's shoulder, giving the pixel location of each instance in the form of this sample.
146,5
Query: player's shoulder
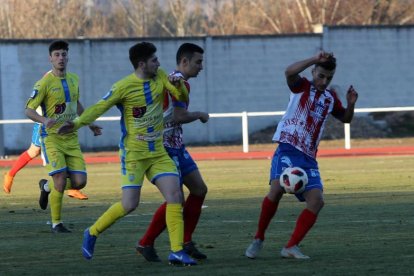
161,73
333,93
301,84
125,82
73,76
47,77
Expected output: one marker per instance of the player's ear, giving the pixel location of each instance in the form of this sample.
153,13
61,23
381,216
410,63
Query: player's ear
185,61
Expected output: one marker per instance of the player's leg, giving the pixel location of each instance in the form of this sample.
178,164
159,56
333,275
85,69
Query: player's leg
313,195
131,192
129,202
145,245
192,207
62,155
163,173
77,173
269,204
56,200
192,210
267,212
305,221
170,188
32,152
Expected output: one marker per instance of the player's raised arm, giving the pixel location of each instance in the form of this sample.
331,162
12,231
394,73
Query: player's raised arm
351,98
292,71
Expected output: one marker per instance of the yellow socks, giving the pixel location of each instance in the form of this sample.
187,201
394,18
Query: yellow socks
115,212
175,225
55,201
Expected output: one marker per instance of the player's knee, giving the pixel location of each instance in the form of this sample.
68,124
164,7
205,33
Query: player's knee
276,192
33,151
316,205
80,184
175,196
199,190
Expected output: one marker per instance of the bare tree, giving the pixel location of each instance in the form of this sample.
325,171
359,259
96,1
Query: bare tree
126,18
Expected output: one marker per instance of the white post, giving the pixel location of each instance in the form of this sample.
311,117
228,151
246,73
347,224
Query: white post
347,132
245,132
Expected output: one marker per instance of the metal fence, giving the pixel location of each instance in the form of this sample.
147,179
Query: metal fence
245,121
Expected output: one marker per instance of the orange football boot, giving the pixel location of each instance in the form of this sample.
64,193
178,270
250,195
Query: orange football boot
77,194
8,182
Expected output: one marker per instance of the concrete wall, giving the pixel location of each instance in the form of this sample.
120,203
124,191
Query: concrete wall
241,73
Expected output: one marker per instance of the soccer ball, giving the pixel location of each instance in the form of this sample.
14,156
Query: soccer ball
293,180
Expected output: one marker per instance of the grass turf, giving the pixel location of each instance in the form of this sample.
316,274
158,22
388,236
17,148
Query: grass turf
365,228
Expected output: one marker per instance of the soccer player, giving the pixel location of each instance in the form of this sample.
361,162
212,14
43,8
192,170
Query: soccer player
58,95
139,97
32,152
189,60
298,135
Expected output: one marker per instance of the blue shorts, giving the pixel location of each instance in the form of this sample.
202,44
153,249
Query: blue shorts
288,156
36,135
183,160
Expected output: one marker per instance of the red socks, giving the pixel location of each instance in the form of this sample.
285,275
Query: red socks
304,223
23,159
192,212
157,225
269,209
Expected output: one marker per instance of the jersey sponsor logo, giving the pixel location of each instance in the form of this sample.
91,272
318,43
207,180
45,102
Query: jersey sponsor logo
150,137
319,110
109,94
34,93
60,108
138,112
294,122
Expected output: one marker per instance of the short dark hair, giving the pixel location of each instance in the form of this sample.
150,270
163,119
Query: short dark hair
187,50
330,64
141,52
58,45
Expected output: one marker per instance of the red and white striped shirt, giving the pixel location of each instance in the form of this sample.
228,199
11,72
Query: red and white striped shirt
304,121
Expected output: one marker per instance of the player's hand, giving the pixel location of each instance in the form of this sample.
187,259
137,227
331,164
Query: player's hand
174,79
323,56
97,130
204,117
66,128
351,95
49,122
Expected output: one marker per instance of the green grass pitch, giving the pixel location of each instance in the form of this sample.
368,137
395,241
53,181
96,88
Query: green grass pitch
365,228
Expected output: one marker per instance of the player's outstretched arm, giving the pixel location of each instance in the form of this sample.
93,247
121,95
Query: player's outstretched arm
97,130
183,116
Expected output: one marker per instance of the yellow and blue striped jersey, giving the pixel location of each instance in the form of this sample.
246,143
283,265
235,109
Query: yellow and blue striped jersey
140,102
58,98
